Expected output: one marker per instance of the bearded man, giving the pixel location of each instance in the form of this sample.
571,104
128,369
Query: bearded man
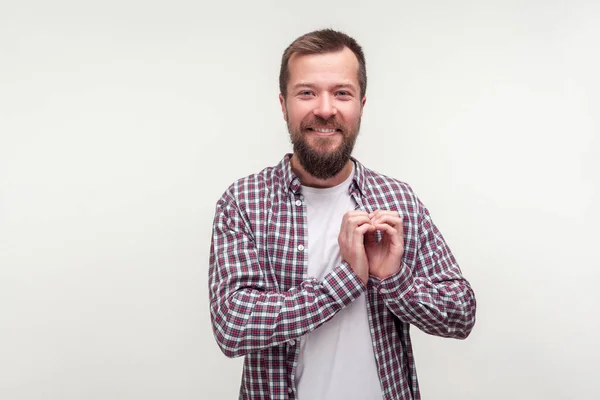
319,265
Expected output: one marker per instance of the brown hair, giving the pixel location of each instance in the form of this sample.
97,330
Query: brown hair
319,42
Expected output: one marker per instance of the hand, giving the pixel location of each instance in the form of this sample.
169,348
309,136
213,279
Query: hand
384,257
351,241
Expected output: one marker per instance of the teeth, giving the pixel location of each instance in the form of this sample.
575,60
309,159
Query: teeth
325,130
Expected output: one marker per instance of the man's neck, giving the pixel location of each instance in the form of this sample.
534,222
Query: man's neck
308,180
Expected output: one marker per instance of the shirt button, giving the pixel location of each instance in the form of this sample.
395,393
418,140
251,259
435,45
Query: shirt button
298,203
292,342
301,248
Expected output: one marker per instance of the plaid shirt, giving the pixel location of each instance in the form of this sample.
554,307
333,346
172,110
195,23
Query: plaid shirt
261,300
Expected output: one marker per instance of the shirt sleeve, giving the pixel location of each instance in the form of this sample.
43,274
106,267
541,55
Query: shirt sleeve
246,316
432,294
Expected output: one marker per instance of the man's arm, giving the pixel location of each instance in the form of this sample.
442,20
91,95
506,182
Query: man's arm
245,316
433,295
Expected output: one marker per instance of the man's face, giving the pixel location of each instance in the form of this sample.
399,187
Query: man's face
323,109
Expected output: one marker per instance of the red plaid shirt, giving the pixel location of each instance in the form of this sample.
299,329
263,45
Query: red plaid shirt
261,300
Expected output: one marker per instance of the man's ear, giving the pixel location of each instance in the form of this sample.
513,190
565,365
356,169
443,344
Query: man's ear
362,104
283,110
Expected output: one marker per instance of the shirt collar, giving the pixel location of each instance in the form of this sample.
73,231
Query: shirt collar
292,182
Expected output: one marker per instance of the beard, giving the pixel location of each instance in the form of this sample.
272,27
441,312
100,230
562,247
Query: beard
316,159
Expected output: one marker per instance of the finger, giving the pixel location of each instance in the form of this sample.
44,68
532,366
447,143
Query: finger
350,227
379,213
350,219
352,230
385,212
359,220
361,231
352,222
393,220
387,228
354,213
391,231
375,214
365,228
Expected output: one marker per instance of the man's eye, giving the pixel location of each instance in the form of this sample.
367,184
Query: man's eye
305,93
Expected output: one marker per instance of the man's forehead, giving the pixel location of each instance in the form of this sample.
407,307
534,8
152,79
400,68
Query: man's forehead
344,55
343,62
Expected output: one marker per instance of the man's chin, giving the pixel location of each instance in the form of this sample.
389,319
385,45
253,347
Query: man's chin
325,151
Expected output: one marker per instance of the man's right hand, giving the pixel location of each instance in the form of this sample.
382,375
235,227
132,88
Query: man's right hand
351,241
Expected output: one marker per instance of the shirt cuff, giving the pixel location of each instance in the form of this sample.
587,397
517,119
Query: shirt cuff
398,285
343,284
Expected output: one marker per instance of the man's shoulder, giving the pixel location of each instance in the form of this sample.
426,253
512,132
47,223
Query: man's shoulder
254,185
381,184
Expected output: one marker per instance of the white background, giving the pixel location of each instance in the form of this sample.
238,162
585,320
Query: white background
122,122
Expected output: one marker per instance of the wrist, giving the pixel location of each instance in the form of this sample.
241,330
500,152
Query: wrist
386,273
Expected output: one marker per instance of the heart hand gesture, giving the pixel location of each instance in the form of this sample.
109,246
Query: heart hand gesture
385,256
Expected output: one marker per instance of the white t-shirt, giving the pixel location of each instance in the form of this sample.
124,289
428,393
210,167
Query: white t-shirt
337,360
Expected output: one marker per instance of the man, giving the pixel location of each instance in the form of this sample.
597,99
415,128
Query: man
319,265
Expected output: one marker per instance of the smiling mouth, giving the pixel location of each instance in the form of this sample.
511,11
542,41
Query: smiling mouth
324,131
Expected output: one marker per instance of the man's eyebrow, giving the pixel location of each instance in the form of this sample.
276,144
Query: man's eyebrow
304,84
348,85
345,85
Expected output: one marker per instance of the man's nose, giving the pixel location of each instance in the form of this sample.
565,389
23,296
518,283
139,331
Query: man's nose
325,107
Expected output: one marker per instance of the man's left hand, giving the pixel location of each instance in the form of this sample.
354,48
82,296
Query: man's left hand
385,256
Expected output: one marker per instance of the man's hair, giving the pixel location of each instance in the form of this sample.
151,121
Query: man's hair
320,42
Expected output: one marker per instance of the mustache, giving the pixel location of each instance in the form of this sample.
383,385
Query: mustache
331,123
